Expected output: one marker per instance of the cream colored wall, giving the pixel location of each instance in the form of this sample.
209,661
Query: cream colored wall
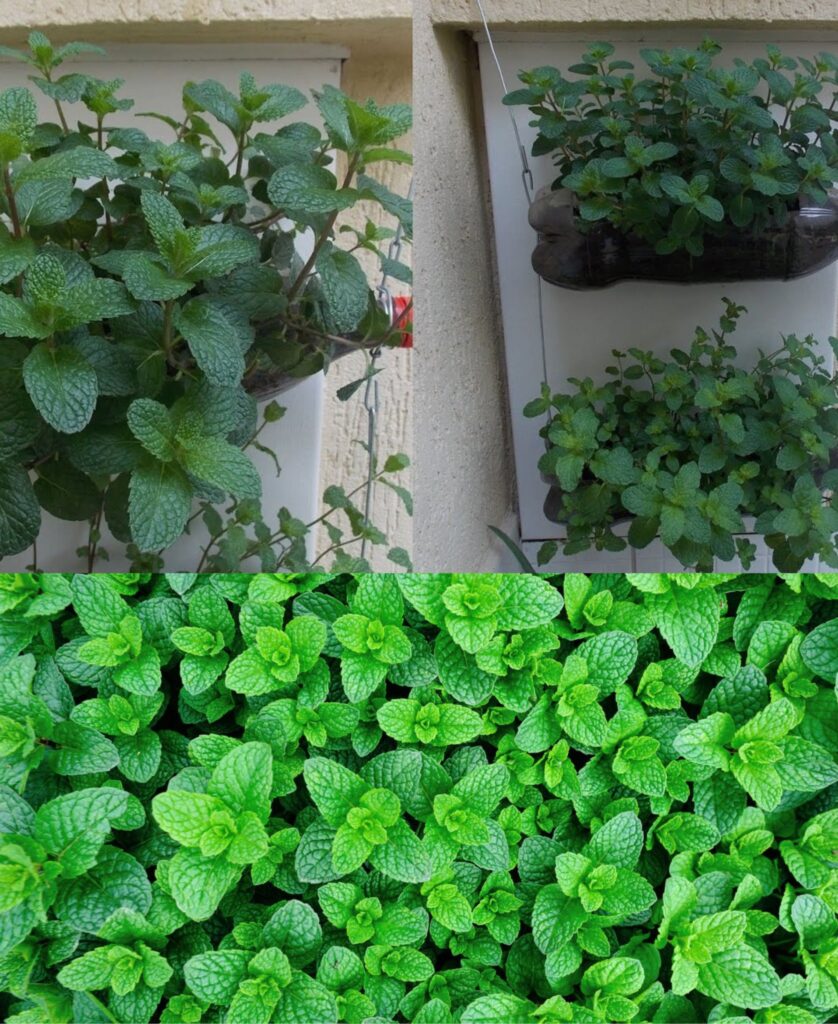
463,477
466,481
362,26
555,14
388,79
378,36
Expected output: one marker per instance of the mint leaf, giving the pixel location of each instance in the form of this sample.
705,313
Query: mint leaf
223,465
62,385
159,504
688,621
215,976
818,650
740,976
216,340
199,883
294,796
20,515
243,779
73,827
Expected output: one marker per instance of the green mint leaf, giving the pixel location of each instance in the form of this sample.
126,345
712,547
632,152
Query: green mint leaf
159,504
688,621
62,385
243,779
73,827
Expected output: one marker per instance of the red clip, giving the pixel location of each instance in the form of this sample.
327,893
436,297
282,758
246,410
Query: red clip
403,318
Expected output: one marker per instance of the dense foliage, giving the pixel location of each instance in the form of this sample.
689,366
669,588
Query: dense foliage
151,291
689,446
427,798
684,148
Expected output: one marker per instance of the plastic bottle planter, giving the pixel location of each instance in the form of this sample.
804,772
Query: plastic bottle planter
298,354
807,241
264,382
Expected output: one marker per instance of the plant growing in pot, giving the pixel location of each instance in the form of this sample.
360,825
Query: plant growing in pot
688,447
685,170
152,291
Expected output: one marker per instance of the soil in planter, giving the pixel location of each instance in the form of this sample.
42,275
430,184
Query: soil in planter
807,241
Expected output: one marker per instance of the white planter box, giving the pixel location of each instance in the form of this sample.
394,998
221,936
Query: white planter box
583,327
154,78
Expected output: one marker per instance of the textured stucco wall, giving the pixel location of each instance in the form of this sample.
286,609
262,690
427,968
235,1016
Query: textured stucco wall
463,478
378,36
362,26
467,479
387,79
553,14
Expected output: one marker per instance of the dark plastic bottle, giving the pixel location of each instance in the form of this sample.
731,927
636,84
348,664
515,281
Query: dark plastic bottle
805,242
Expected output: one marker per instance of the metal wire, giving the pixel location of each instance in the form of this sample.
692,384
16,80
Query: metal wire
526,180
526,173
371,393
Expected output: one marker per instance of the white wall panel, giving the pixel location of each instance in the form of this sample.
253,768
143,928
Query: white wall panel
154,78
581,328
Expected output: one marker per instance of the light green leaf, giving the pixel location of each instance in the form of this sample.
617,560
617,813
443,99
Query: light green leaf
243,779
199,883
688,621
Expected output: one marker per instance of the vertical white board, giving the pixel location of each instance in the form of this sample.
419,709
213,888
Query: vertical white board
581,328
154,78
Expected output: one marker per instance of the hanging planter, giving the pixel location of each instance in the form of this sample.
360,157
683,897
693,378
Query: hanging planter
153,291
685,171
574,254
306,353
686,450
298,351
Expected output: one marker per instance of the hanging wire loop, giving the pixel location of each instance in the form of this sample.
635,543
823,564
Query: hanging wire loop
371,392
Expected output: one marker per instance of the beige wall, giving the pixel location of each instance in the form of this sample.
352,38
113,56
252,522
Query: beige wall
364,26
387,78
555,14
378,36
466,479
464,466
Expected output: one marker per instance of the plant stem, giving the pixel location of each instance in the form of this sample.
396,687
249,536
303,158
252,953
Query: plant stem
334,547
205,551
322,238
256,433
240,141
61,117
93,537
276,537
10,199
168,309
265,222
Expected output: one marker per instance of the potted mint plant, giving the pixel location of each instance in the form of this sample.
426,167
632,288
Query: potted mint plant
152,292
690,447
685,170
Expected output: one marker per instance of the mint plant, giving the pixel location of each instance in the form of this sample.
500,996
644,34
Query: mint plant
688,446
683,147
152,293
570,798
